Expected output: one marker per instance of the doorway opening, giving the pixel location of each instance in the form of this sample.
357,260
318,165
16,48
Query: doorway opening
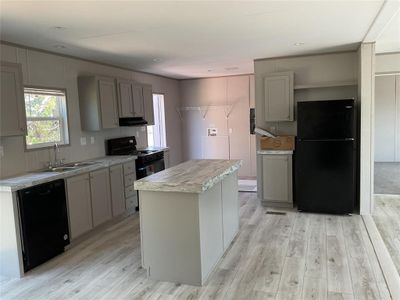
386,212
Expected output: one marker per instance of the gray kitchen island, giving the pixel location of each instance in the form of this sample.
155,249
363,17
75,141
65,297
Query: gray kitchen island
189,215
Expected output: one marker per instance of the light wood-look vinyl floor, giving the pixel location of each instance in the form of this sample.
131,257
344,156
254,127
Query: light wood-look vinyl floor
387,220
293,256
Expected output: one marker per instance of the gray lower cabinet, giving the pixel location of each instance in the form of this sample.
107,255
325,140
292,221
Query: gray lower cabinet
277,179
279,97
98,103
101,198
129,170
79,205
12,106
96,197
117,190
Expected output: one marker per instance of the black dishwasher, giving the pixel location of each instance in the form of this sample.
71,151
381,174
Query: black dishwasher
43,221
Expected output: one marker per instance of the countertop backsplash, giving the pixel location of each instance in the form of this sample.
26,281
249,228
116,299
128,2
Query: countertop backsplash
18,161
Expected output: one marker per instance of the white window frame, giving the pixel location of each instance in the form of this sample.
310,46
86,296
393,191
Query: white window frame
63,118
159,120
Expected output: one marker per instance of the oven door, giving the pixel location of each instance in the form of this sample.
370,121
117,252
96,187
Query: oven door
150,168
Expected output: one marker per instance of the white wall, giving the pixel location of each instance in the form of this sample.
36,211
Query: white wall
48,70
308,70
387,63
387,118
233,140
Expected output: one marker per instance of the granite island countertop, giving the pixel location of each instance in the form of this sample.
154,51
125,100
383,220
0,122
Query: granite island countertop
193,176
276,152
153,148
14,184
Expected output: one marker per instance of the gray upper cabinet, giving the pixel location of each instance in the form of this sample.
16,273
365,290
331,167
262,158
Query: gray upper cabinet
79,205
278,97
125,98
98,103
148,104
135,100
101,198
117,190
12,107
277,179
138,101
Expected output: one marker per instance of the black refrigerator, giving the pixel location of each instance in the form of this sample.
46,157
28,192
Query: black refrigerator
326,153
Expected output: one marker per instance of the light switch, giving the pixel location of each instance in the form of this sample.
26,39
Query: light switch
83,141
137,133
92,140
230,130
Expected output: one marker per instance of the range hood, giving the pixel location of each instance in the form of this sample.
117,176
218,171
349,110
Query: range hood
134,121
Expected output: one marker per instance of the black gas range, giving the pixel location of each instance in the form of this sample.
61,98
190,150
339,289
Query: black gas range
148,161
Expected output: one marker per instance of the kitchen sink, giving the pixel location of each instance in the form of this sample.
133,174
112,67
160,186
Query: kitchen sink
70,167
83,164
60,169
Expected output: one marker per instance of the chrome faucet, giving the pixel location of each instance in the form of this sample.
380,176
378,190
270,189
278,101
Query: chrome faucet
56,149
56,161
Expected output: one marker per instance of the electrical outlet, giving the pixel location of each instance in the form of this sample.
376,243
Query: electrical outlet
83,141
92,140
1,151
143,129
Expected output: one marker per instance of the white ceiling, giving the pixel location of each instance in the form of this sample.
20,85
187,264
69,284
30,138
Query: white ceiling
389,39
187,39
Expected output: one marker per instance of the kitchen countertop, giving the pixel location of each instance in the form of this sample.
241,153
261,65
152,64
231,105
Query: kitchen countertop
193,176
277,152
154,148
37,177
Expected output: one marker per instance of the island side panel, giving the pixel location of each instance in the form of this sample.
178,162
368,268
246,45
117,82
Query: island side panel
169,224
211,235
11,264
230,208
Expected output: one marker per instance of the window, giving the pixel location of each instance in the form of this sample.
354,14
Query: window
156,132
46,116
